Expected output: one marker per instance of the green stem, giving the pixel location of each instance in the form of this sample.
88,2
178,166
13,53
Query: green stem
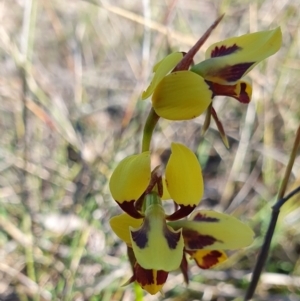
148,129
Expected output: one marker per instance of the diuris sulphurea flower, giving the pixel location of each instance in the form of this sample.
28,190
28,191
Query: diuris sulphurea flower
132,176
159,241
186,94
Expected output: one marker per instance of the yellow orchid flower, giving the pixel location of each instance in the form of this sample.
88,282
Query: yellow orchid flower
132,177
159,242
156,246
180,95
186,94
206,234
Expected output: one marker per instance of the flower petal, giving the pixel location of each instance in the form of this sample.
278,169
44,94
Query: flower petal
184,176
120,225
212,230
129,180
157,246
151,281
220,127
207,259
241,91
181,95
227,61
166,195
161,69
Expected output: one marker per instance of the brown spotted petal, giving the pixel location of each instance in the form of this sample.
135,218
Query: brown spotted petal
157,246
129,180
207,259
120,225
151,281
241,91
212,230
229,60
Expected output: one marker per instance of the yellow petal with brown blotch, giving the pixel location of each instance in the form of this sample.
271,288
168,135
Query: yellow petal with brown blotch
120,225
130,178
157,246
207,259
229,60
211,230
151,281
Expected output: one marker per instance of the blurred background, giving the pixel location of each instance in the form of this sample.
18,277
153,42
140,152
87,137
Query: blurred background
71,76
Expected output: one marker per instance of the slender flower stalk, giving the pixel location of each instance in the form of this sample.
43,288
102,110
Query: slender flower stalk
149,127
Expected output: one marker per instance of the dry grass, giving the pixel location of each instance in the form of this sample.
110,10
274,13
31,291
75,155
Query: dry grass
71,74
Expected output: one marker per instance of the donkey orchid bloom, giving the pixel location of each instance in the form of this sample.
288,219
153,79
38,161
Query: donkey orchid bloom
184,181
159,242
181,95
206,234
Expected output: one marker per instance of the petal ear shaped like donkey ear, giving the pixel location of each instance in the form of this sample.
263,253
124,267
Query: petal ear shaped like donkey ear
129,181
229,60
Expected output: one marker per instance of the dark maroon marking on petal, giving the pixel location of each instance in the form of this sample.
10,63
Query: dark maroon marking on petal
160,188
146,277
235,72
199,217
161,277
140,237
243,97
230,91
138,205
224,50
155,176
222,90
182,212
194,241
128,207
143,276
131,257
171,237
184,269
209,260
